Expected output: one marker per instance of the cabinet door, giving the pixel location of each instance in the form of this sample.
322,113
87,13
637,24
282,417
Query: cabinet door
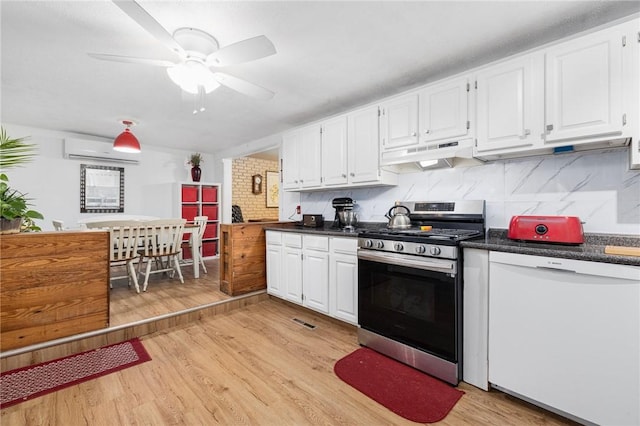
444,110
290,165
399,122
344,287
292,273
509,104
275,283
584,87
634,94
334,151
315,275
309,157
364,145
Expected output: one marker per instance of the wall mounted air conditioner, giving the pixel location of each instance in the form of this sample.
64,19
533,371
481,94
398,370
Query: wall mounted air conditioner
87,149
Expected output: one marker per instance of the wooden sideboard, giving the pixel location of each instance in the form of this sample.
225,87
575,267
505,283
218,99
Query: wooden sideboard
243,265
54,284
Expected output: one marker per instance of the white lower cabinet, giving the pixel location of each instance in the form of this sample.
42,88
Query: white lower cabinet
315,271
565,334
292,273
475,304
275,279
343,279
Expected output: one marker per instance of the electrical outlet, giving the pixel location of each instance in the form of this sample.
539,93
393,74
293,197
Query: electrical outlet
297,209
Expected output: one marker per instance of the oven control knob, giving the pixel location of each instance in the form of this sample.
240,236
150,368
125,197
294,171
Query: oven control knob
379,244
421,249
368,243
434,251
398,246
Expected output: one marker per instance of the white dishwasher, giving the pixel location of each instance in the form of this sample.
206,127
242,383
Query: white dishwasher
565,334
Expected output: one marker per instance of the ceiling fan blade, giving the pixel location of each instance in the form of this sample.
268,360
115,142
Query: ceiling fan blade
146,21
132,60
243,86
242,51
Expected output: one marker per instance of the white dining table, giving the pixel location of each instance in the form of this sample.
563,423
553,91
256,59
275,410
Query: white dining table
189,228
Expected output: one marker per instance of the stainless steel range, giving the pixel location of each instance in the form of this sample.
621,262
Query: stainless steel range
410,286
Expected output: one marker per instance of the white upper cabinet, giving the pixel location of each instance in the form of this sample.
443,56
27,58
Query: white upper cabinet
509,104
399,122
334,151
364,146
584,87
444,110
290,167
338,152
301,158
310,157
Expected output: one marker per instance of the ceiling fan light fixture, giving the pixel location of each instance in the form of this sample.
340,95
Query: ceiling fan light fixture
192,74
126,141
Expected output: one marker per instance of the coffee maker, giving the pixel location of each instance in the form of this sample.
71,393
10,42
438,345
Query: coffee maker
345,217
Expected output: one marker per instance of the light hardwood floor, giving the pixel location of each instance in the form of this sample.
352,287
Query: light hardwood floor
251,366
164,295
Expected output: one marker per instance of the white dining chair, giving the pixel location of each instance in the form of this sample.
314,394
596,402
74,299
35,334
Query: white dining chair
162,240
58,225
201,221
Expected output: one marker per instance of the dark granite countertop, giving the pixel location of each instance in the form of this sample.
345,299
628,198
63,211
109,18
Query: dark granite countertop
329,229
592,249
496,240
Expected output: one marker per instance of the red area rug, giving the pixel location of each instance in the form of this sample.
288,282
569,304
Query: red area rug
404,390
26,383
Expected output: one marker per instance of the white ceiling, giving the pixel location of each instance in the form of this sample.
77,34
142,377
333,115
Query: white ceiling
332,56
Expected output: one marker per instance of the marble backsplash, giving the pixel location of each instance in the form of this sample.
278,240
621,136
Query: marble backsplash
596,186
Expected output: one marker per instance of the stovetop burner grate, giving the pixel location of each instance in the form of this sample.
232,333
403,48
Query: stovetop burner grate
434,233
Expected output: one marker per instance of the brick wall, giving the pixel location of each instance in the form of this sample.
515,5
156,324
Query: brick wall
253,205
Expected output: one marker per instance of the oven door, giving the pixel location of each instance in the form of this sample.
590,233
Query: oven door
411,299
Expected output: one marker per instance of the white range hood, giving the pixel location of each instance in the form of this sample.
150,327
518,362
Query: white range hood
431,151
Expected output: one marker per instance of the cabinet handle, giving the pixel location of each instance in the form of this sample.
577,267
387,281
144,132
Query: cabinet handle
413,134
352,174
525,133
426,132
343,175
549,127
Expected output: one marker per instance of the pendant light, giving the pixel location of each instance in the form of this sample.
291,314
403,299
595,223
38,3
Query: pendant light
126,142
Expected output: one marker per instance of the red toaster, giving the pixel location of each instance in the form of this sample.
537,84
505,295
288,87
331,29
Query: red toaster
548,229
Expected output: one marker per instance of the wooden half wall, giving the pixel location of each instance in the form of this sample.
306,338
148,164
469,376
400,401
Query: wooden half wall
243,256
53,285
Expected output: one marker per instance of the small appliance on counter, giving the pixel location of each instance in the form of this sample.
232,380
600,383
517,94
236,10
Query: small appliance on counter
345,216
548,229
312,220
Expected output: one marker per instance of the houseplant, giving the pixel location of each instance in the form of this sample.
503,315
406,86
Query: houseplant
195,161
15,214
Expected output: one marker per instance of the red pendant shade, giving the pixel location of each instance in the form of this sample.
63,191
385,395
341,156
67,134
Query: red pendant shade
126,142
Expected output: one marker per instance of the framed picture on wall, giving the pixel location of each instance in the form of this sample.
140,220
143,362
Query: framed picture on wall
272,185
101,189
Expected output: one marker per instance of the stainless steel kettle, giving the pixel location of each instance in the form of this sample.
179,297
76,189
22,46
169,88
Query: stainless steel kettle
398,220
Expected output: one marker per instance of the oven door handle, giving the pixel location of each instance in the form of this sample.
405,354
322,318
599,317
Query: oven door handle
427,264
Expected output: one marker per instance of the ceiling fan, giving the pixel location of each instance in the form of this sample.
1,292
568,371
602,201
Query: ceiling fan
200,56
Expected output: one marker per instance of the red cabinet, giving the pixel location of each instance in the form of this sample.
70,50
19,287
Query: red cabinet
201,199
